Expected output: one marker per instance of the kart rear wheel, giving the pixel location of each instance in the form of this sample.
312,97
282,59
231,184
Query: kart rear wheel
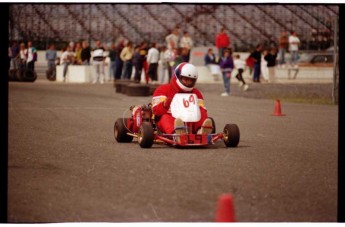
145,135
231,135
120,131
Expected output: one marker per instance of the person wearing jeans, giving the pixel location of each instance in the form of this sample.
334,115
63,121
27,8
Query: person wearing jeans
226,65
293,48
256,55
283,46
127,56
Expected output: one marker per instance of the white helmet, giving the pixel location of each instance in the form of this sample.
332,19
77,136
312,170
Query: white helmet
188,70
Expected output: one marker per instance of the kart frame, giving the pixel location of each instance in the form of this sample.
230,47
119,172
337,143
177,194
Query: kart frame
142,125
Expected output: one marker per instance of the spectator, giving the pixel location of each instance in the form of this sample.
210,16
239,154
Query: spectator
226,66
143,53
98,61
22,56
250,62
177,59
293,48
240,65
85,53
77,54
138,64
112,59
14,55
170,54
184,54
72,46
283,46
66,57
163,62
210,57
256,58
127,56
152,60
172,39
222,41
51,56
118,60
172,44
271,58
31,56
263,67
187,43
211,61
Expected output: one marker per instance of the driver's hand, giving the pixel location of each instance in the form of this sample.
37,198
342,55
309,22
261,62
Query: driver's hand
167,102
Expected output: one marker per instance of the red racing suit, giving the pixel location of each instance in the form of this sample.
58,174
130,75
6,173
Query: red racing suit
161,100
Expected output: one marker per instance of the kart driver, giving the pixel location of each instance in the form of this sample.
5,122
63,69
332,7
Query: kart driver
183,81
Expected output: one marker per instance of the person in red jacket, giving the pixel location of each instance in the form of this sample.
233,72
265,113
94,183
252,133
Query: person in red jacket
183,81
222,42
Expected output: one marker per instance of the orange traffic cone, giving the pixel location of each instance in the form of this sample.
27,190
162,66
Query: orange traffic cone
277,109
225,209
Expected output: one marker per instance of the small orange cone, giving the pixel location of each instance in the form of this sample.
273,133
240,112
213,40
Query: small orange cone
225,209
277,109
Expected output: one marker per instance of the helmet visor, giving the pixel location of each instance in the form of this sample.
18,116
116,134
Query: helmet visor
188,81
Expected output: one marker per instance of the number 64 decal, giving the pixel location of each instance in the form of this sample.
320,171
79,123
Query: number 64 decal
189,100
185,106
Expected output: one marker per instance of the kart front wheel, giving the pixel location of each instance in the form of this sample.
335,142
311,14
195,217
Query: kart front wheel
120,131
145,135
231,135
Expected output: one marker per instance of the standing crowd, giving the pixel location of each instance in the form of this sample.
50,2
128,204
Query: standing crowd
145,58
259,59
21,56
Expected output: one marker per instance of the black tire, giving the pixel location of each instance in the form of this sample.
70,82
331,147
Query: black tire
153,87
145,135
19,74
120,86
120,131
137,90
214,125
231,135
51,74
29,75
12,75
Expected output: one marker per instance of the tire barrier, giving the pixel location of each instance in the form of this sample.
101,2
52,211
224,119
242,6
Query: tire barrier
23,75
137,90
153,88
51,74
12,75
132,88
120,86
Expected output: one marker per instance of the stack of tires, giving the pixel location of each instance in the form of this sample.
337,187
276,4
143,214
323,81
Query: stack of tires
131,88
23,75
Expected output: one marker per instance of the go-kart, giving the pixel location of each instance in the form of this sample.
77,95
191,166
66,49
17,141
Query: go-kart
142,125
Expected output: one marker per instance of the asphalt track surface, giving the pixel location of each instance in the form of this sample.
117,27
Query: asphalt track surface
65,166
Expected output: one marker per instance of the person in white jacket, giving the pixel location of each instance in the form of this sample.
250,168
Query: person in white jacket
187,42
294,42
152,60
98,62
